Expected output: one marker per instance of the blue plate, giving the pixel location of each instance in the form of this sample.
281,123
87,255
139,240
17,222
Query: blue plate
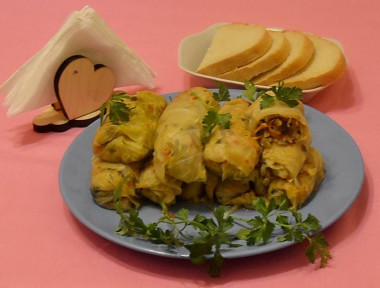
342,185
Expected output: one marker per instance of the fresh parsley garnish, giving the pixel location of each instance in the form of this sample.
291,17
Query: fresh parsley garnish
266,100
223,93
116,108
250,91
212,119
294,227
215,233
288,95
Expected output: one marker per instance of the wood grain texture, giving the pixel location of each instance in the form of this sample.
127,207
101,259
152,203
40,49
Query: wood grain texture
82,87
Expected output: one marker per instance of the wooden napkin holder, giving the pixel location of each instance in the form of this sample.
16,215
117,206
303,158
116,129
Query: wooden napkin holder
81,88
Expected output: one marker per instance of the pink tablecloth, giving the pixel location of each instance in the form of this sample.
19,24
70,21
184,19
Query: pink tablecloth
43,245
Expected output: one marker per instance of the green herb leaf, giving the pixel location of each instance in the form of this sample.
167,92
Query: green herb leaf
318,247
198,250
288,95
250,91
223,93
260,206
312,223
311,253
215,268
243,234
183,215
212,119
118,111
267,100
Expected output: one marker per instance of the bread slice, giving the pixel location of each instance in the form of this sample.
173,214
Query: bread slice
234,45
326,66
301,51
276,55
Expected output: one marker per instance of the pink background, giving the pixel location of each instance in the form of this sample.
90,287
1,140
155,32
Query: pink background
43,245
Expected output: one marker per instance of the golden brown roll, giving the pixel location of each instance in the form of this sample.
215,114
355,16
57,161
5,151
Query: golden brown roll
299,189
156,190
132,140
234,152
178,147
105,179
283,161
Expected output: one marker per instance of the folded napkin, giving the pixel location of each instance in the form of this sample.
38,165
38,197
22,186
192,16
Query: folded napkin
83,33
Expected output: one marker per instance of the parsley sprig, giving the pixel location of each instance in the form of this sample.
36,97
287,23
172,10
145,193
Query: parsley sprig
117,109
250,91
213,117
288,95
215,233
294,227
223,93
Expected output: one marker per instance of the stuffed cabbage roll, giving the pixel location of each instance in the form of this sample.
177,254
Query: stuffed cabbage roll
107,176
234,152
178,147
299,189
283,161
152,188
280,123
131,140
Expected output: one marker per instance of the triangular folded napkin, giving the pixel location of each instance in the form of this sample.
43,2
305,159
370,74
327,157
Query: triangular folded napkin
83,33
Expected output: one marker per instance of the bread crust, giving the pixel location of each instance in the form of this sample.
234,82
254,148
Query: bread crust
276,55
226,42
326,66
301,52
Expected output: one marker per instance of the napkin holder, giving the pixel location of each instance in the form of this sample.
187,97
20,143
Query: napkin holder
81,88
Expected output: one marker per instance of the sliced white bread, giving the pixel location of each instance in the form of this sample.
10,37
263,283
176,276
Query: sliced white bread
327,65
234,45
301,52
276,55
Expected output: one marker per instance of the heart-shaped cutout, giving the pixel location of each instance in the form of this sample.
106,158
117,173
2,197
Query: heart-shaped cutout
82,87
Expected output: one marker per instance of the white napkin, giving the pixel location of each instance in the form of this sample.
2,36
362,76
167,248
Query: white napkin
83,33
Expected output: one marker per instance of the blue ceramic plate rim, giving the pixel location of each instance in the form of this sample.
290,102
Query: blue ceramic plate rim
342,185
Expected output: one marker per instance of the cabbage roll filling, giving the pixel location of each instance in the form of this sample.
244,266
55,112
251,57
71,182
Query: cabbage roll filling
280,129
